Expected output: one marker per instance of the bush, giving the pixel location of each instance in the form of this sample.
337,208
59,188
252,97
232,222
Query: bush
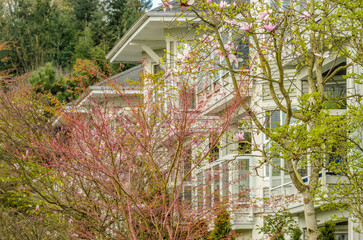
222,226
327,231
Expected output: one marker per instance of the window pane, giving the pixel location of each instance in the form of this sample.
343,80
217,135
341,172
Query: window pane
217,179
243,179
225,179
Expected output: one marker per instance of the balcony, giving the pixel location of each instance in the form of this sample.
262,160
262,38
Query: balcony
327,179
227,179
215,97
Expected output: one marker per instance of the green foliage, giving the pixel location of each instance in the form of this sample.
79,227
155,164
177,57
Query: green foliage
45,80
122,14
61,31
280,225
327,231
19,216
335,99
222,226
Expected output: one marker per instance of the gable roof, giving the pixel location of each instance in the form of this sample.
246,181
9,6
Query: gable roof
125,79
148,29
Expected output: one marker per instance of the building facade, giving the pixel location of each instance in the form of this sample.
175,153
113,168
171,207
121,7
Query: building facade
235,169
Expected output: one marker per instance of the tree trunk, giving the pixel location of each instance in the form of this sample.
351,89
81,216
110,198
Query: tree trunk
310,216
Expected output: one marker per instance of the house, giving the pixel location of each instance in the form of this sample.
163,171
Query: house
234,166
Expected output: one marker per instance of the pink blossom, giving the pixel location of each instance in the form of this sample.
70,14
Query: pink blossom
186,53
139,148
246,27
209,1
27,153
37,208
306,15
234,5
223,4
231,22
263,16
240,136
171,130
206,39
269,27
166,5
234,59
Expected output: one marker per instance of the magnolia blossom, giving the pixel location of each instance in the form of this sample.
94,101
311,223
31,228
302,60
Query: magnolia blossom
240,136
306,15
166,5
221,55
246,27
223,4
190,2
27,153
186,52
263,16
233,58
209,1
269,27
206,39
229,46
234,5
37,208
324,55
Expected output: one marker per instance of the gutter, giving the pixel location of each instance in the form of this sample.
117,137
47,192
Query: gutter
137,25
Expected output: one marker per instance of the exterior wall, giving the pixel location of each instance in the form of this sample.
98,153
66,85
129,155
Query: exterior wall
261,182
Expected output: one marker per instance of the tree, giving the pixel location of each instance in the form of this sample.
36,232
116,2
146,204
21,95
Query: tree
45,81
327,231
222,226
280,225
114,172
122,14
41,31
285,40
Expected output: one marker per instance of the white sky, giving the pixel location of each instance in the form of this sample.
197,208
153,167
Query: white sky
156,3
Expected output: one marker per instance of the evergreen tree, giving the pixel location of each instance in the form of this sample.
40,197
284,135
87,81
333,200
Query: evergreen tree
222,226
121,14
327,231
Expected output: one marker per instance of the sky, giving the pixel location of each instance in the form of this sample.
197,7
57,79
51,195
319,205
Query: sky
156,3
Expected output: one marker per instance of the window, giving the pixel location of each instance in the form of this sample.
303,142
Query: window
187,194
187,165
243,179
157,69
200,196
216,180
187,97
225,180
335,162
274,118
243,51
245,146
335,94
208,188
214,147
